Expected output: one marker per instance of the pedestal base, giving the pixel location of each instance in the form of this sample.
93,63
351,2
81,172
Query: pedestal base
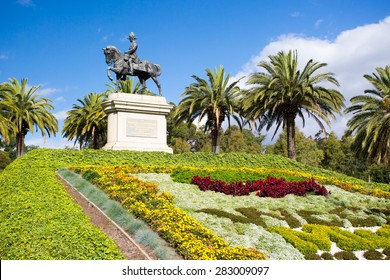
137,122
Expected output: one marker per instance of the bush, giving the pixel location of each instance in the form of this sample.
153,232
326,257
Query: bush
327,256
271,187
313,257
345,255
373,255
386,251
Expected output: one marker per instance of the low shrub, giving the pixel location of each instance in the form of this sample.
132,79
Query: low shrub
322,236
295,238
327,256
345,255
373,255
386,251
313,257
271,187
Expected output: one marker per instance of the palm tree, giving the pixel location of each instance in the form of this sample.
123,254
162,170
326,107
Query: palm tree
213,100
371,120
7,128
284,92
128,86
27,110
87,122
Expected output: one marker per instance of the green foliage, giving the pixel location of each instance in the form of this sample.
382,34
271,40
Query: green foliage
34,202
320,237
327,256
39,220
180,146
86,123
345,255
234,140
307,150
212,100
118,214
185,174
371,118
4,160
296,239
283,93
373,255
89,175
386,251
313,257
191,239
27,111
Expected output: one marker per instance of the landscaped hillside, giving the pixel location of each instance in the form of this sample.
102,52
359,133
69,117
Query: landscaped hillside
40,221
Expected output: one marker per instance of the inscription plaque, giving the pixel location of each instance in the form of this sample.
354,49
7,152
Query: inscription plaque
141,128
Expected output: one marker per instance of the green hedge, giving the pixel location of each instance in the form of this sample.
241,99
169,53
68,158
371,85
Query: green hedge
319,237
39,220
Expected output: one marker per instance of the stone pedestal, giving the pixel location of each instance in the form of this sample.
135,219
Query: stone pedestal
137,122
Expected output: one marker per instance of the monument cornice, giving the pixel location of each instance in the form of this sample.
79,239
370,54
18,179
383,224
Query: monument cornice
136,103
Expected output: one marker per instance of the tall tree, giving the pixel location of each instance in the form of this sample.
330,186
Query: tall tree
126,86
28,110
7,128
308,152
87,122
213,100
371,118
333,152
284,93
237,140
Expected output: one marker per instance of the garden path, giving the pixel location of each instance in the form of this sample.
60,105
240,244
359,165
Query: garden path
125,242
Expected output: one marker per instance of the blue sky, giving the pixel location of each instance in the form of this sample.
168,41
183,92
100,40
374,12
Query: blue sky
58,44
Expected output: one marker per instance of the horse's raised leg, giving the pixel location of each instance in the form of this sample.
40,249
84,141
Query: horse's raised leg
118,84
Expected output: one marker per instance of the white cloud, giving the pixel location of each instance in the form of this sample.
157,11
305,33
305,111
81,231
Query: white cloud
296,14
26,3
61,115
352,54
46,91
61,98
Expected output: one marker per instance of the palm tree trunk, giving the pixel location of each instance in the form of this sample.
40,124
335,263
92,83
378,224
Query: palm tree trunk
214,140
19,144
95,139
290,123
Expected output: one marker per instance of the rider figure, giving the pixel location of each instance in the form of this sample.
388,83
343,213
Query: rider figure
130,56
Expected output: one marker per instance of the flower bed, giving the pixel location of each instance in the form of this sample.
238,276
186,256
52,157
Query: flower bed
191,239
271,187
31,196
319,237
184,174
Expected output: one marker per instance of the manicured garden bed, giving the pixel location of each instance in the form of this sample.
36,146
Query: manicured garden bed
40,221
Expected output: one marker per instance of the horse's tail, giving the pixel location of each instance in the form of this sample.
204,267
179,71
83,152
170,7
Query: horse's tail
158,68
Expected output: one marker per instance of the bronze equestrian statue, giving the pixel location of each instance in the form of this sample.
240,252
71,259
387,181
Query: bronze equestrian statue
128,64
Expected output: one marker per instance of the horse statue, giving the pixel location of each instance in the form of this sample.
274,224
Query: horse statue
143,70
